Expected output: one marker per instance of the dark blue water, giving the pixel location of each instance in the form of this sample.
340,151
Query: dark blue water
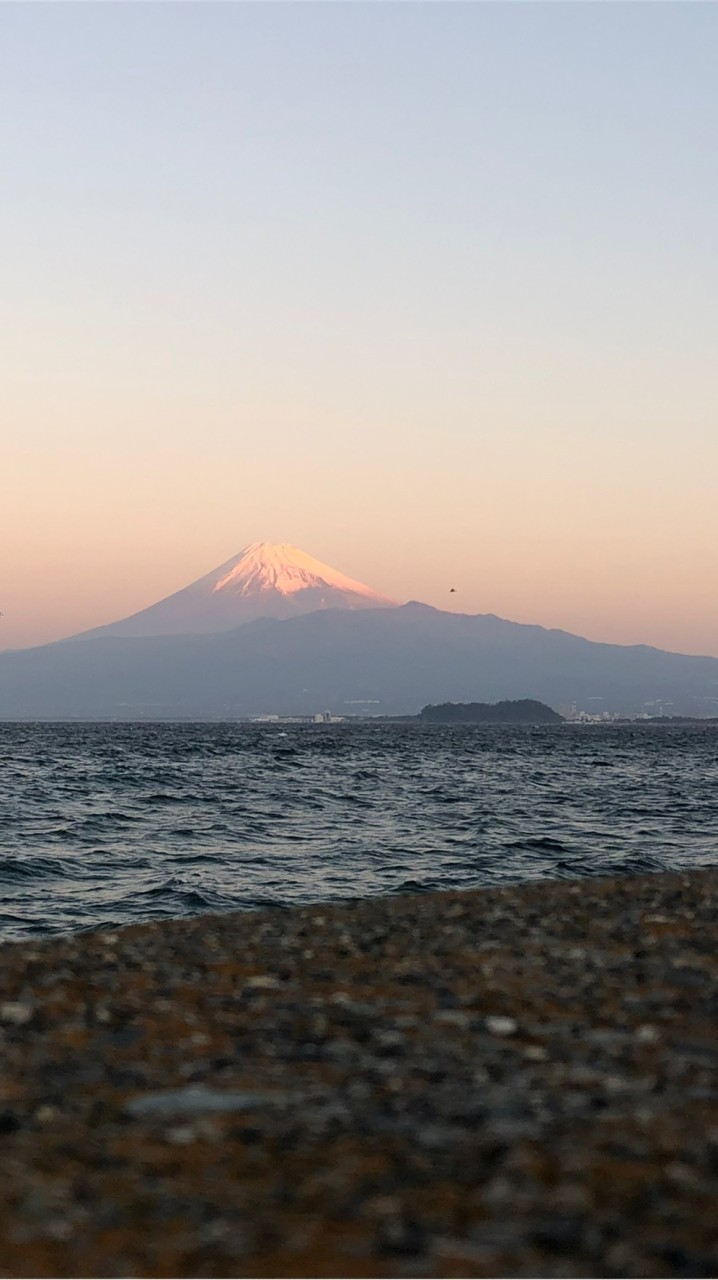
110,824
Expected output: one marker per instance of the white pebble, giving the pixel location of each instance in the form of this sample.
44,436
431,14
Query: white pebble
262,982
500,1026
646,1034
15,1012
46,1114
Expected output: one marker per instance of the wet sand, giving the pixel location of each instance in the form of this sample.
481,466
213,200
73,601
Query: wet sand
515,1082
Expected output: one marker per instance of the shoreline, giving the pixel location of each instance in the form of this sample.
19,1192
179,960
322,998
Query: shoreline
492,1082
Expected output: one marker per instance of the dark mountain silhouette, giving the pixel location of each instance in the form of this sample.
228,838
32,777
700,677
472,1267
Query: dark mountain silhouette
382,661
510,711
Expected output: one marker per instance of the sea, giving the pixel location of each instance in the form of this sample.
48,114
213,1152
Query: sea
108,824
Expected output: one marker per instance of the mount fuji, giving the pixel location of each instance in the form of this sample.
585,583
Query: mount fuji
266,580
274,631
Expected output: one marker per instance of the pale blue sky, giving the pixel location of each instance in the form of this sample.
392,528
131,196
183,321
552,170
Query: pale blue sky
409,285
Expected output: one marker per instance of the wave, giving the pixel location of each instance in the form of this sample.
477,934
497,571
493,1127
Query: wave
148,821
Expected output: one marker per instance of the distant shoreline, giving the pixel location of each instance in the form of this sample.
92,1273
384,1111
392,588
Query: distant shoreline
309,721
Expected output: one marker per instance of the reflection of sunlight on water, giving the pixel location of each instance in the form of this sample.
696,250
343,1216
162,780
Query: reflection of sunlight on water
115,823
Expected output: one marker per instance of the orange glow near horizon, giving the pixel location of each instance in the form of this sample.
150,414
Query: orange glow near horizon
579,591
402,285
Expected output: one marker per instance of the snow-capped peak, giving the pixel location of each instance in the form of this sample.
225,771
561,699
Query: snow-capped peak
278,566
266,580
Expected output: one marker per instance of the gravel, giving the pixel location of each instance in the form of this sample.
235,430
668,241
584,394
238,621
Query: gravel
514,1082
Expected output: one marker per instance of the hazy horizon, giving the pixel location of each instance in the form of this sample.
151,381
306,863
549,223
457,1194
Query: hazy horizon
428,291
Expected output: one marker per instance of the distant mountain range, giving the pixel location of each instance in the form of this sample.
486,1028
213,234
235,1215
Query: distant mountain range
275,632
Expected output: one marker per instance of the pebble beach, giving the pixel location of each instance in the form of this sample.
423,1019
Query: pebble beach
504,1082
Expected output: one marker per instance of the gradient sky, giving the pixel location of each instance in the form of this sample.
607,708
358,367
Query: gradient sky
428,290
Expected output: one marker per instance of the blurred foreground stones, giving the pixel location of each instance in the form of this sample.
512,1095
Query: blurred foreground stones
515,1082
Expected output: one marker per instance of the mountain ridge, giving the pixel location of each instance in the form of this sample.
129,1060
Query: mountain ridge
386,661
274,631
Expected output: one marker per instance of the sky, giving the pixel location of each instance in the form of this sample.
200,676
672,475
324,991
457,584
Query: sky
427,290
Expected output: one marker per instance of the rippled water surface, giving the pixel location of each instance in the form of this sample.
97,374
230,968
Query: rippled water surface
108,823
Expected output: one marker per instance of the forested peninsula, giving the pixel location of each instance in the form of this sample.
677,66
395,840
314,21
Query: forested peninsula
515,711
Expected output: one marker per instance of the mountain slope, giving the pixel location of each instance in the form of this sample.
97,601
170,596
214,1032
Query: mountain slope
386,661
266,580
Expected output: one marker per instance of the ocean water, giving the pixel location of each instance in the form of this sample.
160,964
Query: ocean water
108,824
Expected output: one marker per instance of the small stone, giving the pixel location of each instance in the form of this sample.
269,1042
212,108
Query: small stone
616,1084
262,982
194,1100
681,1175
15,1012
46,1114
605,1037
58,1229
354,1008
382,1207
646,1034
500,1026
181,1135
389,1042
453,1018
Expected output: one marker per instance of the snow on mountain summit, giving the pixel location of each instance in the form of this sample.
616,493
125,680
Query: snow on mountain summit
266,580
281,567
